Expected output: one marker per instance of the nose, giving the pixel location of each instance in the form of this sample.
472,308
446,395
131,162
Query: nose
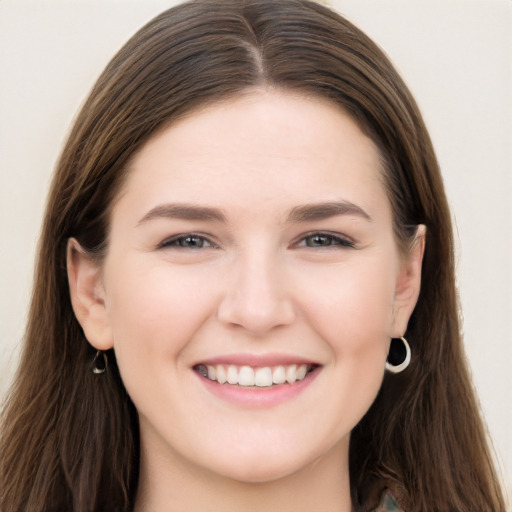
257,297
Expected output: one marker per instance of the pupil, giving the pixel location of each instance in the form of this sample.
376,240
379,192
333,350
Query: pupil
191,241
320,240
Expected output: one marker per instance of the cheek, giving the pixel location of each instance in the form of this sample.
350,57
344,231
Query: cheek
154,311
352,311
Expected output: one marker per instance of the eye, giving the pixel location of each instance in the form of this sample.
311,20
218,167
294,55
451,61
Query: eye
322,240
187,241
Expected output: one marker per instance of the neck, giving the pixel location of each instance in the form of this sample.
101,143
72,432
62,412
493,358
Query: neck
320,486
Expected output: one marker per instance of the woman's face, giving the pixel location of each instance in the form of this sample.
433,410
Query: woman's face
252,242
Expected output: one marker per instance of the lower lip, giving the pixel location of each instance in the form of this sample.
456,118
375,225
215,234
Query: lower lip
259,397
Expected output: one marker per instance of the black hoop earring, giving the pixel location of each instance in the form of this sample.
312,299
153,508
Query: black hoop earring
399,356
100,364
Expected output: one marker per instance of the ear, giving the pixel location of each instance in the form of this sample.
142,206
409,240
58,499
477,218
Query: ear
408,284
88,296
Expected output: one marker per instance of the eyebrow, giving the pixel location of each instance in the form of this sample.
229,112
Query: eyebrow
320,211
303,213
184,212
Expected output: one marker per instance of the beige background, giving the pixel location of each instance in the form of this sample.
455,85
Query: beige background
455,55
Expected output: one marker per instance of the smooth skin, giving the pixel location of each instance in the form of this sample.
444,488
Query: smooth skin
256,227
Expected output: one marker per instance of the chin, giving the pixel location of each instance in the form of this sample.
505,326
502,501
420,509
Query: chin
260,474
263,466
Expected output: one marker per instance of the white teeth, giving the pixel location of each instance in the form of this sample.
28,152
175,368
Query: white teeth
302,370
263,377
291,374
279,375
232,374
248,376
221,374
212,374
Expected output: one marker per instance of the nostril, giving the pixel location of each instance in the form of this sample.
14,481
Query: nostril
257,320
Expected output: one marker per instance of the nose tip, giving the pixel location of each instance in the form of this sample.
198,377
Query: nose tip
257,302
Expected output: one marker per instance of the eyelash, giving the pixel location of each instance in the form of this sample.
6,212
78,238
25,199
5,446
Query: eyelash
330,239
176,241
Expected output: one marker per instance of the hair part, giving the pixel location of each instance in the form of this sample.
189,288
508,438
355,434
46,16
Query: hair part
69,439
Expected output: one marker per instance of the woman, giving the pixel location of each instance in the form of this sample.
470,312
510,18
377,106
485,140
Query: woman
247,211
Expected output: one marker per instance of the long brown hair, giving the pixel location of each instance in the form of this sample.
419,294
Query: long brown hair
69,439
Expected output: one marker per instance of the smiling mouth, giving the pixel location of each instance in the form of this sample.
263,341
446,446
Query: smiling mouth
255,377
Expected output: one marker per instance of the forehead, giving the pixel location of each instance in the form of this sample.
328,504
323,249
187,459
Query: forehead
266,146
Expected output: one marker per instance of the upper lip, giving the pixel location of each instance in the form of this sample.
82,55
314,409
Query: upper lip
257,360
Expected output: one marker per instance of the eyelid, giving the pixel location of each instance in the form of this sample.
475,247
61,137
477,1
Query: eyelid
340,240
343,240
167,242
